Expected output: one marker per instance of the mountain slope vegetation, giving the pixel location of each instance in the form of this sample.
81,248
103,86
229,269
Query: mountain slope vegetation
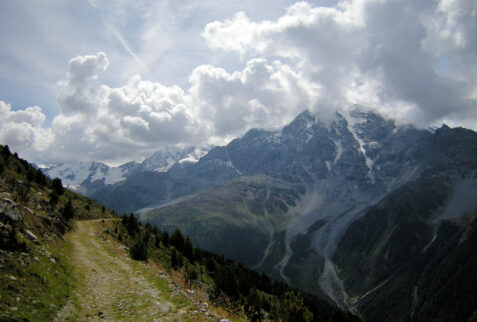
66,257
35,212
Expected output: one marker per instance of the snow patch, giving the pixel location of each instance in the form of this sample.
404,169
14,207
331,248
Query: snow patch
328,165
352,122
339,150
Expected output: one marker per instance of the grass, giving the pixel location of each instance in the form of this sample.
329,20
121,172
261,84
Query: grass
40,288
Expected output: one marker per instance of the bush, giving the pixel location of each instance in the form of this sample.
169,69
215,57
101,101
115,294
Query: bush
53,198
139,251
176,259
23,192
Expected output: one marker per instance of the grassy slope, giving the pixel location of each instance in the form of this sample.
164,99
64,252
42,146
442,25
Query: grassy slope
233,218
36,275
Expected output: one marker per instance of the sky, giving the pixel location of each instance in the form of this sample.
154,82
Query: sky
114,81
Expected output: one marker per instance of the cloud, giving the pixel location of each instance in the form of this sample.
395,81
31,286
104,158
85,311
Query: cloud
405,58
262,95
23,130
413,61
100,122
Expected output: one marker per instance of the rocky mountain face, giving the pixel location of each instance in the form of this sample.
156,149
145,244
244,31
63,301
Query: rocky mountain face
375,217
89,177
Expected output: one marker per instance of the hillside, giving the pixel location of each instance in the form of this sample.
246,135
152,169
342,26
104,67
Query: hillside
35,213
66,257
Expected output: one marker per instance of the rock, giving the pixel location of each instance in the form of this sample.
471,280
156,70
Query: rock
224,320
204,305
9,213
101,315
31,235
9,201
28,210
11,277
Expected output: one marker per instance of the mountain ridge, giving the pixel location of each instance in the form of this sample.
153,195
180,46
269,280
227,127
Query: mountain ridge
340,171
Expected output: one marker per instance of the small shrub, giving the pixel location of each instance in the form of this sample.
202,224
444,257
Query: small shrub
139,251
53,198
23,192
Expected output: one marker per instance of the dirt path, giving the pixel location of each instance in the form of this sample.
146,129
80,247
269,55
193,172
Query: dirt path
114,287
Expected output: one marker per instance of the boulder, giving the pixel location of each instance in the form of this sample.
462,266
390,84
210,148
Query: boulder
9,214
31,235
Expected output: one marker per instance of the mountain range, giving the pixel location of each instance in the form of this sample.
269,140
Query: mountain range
89,177
375,217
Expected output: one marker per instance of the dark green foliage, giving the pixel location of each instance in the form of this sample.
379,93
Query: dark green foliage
165,238
30,174
53,198
139,251
68,211
177,240
9,240
254,292
293,308
188,249
23,192
103,209
6,152
191,273
57,186
176,259
131,224
40,177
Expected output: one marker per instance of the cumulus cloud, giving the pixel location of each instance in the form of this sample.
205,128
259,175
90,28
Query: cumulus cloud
106,123
414,61
23,130
406,58
262,95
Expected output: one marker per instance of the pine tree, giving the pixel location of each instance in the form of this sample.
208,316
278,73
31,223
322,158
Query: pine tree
57,186
177,240
68,210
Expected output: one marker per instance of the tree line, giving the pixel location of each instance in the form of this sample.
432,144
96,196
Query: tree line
229,282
